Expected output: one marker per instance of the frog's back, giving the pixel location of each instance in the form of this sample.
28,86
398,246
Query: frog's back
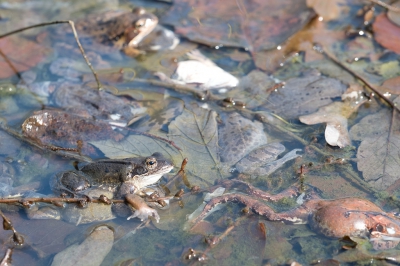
109,173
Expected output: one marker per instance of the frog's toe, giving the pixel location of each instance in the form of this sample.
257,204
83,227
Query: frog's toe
144,213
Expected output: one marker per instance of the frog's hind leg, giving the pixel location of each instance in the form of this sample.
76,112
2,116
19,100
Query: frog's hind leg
296,216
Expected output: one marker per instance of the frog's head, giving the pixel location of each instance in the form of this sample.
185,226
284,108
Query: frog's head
140,27
384,230
150,170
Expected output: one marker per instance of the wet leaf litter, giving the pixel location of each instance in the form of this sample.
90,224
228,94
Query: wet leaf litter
238,126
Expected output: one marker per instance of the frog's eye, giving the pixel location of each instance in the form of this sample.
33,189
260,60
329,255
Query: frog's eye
151,163
380,228
140,23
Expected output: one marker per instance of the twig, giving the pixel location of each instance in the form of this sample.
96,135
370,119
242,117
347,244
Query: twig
55,200
178,87
72,24
383,4
330,56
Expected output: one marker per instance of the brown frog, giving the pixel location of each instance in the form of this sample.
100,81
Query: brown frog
113,30
336,218
126,178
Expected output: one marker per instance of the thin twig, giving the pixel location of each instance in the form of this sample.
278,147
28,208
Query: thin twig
72,24
330,56
6,261
177,87
55,200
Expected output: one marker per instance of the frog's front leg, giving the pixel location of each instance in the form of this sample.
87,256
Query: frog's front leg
129,192
296,216
142,210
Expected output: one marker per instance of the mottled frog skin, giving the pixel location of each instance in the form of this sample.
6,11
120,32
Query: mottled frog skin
111,174
126,178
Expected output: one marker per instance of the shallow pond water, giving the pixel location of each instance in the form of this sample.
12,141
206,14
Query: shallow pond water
229,127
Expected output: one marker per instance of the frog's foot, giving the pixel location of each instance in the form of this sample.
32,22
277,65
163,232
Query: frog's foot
142,210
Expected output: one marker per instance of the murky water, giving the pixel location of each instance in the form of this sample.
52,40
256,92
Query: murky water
230,236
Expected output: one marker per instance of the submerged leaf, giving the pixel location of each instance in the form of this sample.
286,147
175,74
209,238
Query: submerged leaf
304,95
378,153
137,146
239,24
195,132
18,54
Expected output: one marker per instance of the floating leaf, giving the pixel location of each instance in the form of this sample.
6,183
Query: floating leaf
239,24
378,153
195,132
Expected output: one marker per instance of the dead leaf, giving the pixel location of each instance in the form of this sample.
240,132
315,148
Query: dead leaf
195,132
238,23
386,33
238,136
335,116
304,95
137,146
328,9
391,85
18,54
378,153
252,89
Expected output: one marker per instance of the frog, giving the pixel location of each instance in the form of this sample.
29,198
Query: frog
129,179
333,218
110,31
245,149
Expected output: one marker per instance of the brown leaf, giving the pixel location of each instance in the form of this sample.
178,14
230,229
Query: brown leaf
386,33
18,54
391,85
238,23
328,9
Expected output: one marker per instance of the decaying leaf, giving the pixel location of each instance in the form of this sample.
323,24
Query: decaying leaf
335,116
239,24
386,33
252,89
238,136
19,54
304,95
378,153
195,132
137,145
201,72
328,9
